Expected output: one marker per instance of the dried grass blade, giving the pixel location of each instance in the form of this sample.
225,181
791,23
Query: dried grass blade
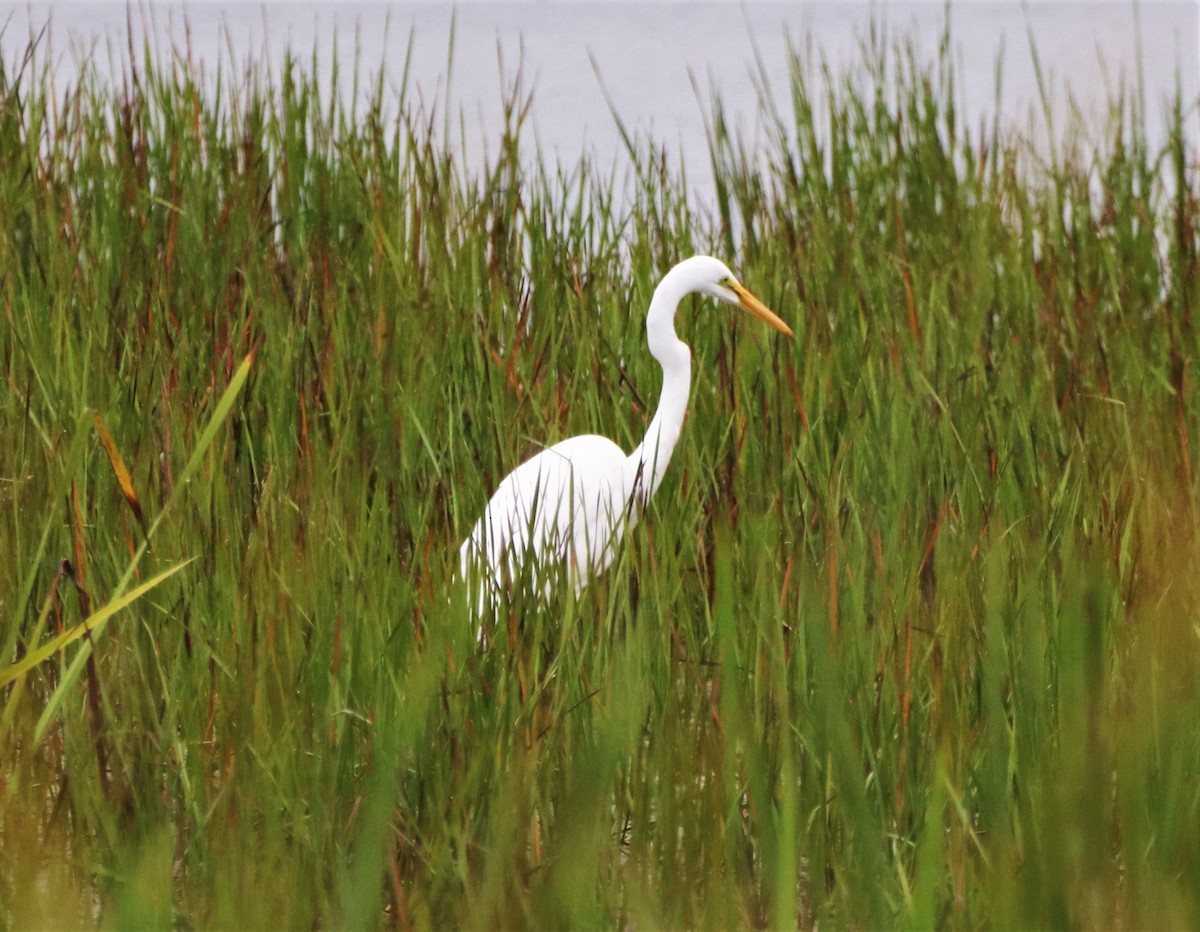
120,470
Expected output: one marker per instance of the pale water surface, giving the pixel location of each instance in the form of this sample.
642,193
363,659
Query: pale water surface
656,62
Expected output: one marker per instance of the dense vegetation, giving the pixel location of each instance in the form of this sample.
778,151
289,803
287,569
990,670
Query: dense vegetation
910,635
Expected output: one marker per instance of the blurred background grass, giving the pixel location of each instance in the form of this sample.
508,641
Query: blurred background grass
910,636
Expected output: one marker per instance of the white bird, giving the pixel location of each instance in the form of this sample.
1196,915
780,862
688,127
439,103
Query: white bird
568,507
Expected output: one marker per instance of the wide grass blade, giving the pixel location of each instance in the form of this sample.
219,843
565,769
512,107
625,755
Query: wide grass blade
93,624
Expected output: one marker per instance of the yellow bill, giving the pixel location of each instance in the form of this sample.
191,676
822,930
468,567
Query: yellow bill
747,302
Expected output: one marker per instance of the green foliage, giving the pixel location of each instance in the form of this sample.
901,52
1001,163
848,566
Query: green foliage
910,636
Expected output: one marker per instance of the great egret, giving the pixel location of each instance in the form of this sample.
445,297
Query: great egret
570,505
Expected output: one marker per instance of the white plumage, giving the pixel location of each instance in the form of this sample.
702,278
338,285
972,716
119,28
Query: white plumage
570,505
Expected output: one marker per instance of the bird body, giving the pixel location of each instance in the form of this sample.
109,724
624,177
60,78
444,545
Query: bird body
552,505
572,503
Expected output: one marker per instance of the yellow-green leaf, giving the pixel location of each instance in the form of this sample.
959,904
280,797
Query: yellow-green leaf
92,623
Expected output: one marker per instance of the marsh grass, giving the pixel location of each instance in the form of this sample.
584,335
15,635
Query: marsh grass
908,638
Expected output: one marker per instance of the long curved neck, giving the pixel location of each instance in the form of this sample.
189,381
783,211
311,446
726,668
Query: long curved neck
644,468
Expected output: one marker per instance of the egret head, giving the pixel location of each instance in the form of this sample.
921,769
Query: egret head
712,277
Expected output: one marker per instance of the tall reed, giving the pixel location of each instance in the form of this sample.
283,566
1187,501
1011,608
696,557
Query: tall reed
908,638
